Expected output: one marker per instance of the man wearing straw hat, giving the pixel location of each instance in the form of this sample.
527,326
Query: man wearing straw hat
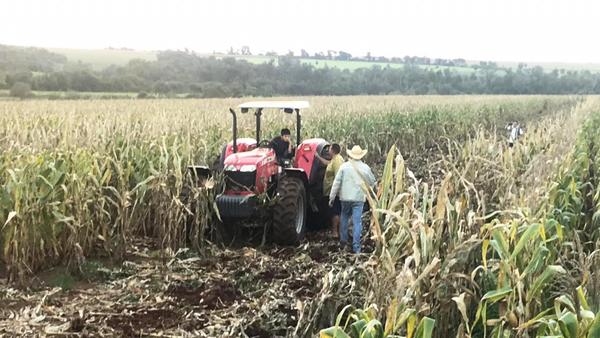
351,183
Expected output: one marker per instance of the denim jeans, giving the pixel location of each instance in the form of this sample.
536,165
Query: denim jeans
351,210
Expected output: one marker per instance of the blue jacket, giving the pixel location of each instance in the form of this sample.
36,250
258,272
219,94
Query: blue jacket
348,184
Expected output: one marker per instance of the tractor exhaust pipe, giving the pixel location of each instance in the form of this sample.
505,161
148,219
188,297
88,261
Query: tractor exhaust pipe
258,114
298,128
235,149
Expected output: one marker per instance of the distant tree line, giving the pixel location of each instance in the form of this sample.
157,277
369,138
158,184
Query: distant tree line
345,56
184,72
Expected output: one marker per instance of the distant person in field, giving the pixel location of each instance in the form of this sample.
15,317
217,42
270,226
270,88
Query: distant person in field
282,145
350,183
515,131
333,166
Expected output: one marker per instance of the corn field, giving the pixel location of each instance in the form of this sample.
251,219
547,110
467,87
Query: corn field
470,238
497,248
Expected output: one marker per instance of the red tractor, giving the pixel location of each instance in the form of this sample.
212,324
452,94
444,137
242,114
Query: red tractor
252,171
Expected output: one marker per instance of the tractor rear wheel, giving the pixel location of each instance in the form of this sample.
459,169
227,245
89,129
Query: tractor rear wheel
289,212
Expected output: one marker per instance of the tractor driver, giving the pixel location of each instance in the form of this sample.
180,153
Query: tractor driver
283,146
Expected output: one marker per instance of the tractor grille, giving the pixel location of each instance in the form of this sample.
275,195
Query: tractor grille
241,181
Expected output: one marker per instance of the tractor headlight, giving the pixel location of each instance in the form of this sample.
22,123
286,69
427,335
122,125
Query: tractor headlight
230,168
248,168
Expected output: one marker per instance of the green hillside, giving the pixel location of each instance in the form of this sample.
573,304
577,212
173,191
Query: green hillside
102,58
593,67
348,64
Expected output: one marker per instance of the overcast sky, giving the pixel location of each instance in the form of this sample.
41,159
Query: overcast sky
500,30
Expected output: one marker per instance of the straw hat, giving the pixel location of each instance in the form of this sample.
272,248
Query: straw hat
356,153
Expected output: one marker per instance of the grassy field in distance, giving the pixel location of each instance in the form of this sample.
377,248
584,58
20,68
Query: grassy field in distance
592,67
60,95
348,64
102,58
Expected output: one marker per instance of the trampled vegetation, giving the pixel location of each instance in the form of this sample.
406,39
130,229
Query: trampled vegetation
467,238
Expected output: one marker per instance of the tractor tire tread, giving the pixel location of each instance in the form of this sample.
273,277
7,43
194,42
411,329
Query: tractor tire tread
285,210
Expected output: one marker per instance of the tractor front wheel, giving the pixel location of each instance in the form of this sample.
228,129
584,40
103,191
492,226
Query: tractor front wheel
289,212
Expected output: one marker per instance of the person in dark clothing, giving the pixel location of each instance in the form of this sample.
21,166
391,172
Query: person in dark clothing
282,145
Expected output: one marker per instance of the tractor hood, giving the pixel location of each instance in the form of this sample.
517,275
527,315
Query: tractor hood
249,160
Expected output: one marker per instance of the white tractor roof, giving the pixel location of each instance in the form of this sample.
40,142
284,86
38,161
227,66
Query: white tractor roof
275,104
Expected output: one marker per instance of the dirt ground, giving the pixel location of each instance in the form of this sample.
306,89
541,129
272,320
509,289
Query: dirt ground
244,292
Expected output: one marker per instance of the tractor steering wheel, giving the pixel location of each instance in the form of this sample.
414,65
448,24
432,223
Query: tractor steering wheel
264,144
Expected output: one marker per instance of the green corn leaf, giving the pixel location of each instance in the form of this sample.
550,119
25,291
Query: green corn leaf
581,296
530,234
373,329
541,318
536,262
497,332
333,332
500,244
425,329
543,279
480,307
409,317
371,312
357,328
338,320
484,318
496,295
566,301
359,314
596,218
594,331
568,325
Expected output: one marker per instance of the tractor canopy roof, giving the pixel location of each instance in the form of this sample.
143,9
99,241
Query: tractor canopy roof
287,106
